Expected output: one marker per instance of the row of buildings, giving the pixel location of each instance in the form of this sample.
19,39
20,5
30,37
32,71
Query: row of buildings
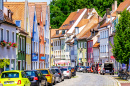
24,34
84,38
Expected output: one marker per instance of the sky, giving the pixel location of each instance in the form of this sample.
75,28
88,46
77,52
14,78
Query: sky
48,1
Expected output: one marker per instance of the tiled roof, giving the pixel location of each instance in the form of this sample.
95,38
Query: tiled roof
18,9
82,22
96,44
57,36
31,15
91,24
72,17
123,5
8,20
105,24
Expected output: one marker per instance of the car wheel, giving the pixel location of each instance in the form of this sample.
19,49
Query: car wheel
39,84
46,84
54,82
62,79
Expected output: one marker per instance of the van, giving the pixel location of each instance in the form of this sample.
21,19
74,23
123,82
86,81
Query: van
107,67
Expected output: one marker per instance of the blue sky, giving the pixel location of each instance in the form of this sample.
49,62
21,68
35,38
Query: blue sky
48,1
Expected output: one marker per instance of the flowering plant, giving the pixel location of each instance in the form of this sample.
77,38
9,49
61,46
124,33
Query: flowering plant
14,45
3,43
9,44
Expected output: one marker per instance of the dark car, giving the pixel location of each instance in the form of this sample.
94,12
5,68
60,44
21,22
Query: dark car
86,69
36,78
56,75
60,73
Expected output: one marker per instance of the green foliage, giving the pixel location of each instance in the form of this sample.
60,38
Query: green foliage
121,47
4,62
60,9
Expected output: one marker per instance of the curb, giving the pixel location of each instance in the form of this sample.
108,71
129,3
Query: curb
118,83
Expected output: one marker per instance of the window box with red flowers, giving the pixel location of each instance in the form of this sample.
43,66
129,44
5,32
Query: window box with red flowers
14,45
9,45
3,43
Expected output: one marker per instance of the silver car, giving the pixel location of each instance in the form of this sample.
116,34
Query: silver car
80,69
56,75
66,72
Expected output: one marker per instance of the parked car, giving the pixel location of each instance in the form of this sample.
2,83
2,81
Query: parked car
107,67
73,71
56,75
66,72
86,69
60,73
36,78
49,75
14,78
80,69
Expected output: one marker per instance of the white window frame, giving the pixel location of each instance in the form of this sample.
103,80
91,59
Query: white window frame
13,40
6,36
21,43
1,35
81,44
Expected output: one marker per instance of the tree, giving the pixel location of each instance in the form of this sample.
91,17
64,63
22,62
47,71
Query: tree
121,47
60,9
4,62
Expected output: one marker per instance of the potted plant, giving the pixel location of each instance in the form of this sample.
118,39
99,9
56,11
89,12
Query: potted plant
9,45
3,43
14,45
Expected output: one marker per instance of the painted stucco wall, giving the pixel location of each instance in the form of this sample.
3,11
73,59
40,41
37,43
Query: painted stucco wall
8,53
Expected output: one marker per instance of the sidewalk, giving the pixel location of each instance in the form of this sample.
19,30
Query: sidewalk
120,81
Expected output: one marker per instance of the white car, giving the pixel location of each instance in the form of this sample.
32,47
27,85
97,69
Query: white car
66,72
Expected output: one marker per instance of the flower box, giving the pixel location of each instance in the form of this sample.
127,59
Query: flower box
3,43
14,45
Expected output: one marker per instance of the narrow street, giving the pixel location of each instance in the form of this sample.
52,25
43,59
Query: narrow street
89,79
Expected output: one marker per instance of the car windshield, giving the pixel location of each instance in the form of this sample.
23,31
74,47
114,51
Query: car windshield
69,68
30,73
53,71
57,70
44,71
82,66
64,69
10,75
87,67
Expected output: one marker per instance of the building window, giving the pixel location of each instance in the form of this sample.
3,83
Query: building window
56,43
7,35
63,31
2,35
57,32
78,45
1,4
18,23
20,43
77,30
85,45
105,48
81,44
90,44
105,34
34,47
12,37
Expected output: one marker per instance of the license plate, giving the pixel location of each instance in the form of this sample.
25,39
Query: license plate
107,70
9,82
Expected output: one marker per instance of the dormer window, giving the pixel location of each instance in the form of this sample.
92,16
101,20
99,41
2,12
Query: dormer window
57,32
63,31
18,23
77,30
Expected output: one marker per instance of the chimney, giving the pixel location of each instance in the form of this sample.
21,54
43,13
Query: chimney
115,5
78,10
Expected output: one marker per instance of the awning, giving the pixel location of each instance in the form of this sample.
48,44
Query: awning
62,62
43,58
112,57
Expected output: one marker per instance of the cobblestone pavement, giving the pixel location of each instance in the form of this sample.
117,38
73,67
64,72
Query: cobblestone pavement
89,79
